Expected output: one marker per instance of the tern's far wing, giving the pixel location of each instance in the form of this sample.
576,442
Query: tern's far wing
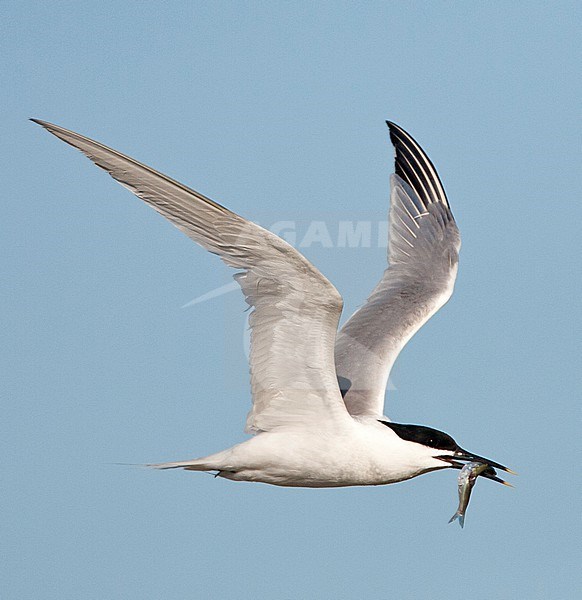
296,309
423,255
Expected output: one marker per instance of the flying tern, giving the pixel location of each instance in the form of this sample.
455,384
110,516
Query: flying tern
318,394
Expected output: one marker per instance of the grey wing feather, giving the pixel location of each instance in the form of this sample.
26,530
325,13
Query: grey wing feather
423,252
296,309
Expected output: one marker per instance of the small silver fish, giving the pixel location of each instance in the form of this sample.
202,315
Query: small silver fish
467,478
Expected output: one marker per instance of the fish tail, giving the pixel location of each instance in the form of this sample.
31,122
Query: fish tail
460,516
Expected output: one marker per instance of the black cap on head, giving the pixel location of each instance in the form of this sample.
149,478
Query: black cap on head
427,436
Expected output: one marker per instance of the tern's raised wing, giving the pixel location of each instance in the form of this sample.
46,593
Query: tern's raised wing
423,255
296,309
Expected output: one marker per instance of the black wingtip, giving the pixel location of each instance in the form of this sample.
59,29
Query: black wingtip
414,166
42,123
393,128
39,122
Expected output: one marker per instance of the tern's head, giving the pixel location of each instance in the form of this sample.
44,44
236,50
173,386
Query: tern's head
440,447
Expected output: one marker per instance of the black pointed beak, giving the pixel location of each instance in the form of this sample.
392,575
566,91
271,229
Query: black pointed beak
467,457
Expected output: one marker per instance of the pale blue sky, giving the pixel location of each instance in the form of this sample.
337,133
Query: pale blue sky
277,110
